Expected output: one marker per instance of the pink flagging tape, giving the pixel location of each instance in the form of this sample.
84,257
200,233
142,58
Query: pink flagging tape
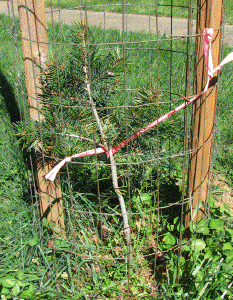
207,42
52,174
226,60
151,125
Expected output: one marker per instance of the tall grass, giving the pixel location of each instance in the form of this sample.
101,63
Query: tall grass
224,137
13,182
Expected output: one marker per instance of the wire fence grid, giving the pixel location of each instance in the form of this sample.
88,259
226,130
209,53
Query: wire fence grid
106,76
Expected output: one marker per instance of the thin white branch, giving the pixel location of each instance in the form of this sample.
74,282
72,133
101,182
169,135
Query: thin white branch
127,230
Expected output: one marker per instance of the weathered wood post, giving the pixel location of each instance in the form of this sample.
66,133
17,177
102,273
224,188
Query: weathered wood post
35,47
209,15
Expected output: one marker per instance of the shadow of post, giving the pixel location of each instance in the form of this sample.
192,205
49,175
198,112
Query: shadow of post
9,99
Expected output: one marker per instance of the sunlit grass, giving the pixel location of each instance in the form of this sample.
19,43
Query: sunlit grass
178,8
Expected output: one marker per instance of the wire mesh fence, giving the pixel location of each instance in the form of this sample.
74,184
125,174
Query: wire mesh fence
110,226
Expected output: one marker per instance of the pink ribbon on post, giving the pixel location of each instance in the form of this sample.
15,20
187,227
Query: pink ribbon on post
207,42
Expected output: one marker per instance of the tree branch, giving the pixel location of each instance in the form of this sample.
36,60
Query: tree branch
86,69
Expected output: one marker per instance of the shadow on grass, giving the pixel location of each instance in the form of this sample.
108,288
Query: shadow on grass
20,159
7,92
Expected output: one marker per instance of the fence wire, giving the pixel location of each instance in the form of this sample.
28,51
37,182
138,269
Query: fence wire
111,69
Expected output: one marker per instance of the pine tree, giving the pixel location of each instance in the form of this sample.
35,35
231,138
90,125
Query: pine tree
68,120
75,103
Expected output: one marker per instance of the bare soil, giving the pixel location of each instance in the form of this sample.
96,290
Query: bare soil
222,191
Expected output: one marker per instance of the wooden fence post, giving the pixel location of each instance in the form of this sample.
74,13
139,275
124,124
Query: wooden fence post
209,15
35,47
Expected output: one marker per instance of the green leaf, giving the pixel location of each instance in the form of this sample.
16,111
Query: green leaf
8,282
5,291
175,220
44,222
88,288
203,230
62,244
15,290
192,226
27,294
229,258
211,243
216,224
216,258
182,260
227,247
199,227
178,227
230,232
32,241
224,209
199,276
185,248
202,227
20,275
144,198
198,245
169,240
208,254
170,227
34,277
51,224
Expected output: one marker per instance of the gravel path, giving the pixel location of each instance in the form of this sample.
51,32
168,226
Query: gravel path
115,20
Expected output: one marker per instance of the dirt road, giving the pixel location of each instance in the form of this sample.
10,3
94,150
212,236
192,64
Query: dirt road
115,20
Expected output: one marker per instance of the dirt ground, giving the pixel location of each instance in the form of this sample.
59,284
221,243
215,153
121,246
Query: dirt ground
222,191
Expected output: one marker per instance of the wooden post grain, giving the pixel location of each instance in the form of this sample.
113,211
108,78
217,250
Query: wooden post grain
35,48
209,15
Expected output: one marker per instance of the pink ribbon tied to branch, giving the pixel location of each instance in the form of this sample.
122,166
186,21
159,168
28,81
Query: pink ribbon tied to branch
207,42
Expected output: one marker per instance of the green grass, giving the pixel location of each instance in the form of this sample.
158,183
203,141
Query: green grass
224,137
179,9
16,217
84,264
